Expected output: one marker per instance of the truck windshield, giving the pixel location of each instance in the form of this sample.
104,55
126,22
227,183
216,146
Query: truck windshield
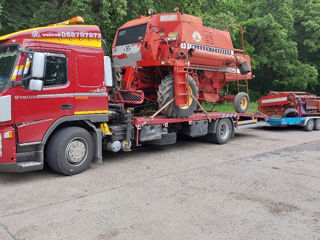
8,55
131,35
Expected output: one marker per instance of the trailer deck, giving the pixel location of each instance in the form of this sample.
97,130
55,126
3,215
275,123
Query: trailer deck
239,119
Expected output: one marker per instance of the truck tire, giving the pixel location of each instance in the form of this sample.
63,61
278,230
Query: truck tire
70,151
223,133
317,124
241,102
309,125
166,93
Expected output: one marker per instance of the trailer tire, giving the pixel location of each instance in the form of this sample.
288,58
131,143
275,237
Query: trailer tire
317,124
70,151
166,93
309,125
241,102
223,132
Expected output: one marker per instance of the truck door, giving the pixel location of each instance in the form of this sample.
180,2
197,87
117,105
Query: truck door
90,82
35,111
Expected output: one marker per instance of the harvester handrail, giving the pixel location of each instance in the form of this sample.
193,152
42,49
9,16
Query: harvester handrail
242,39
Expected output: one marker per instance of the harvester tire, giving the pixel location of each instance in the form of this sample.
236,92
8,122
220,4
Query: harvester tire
291,112
317,124
309,125
241,102
166,93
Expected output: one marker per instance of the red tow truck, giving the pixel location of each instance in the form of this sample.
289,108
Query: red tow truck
58,104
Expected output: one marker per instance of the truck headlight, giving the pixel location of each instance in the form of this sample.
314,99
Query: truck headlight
8,134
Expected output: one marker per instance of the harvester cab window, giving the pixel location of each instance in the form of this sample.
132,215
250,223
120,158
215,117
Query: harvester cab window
131,35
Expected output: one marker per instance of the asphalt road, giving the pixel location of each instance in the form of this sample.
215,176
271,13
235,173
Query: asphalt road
263,184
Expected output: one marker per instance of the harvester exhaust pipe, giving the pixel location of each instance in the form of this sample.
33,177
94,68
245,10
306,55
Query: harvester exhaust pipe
240,62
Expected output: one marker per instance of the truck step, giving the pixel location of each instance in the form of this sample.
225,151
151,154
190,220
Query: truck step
30,166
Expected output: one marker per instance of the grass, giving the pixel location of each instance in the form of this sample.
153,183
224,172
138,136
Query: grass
228,107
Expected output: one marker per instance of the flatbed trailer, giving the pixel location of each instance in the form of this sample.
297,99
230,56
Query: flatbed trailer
218,127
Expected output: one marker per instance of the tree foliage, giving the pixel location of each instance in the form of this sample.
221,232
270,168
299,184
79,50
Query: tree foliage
282,37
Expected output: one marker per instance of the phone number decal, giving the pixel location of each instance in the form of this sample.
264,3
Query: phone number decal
36,34
80,34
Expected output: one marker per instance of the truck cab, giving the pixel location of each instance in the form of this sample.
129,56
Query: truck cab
49,77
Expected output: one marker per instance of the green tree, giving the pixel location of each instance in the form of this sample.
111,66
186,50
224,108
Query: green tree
282,37
269,29
307,27
16,15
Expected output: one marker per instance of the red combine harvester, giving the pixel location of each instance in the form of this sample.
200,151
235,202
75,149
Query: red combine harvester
173,56
291,108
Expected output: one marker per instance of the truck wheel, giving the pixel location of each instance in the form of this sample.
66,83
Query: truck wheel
317,124
166,93
70,151
224,132
241,102
309,126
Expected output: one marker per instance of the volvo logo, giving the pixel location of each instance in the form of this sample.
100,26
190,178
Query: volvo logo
36,34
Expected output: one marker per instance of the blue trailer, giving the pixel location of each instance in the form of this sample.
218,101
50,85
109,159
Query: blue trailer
309,123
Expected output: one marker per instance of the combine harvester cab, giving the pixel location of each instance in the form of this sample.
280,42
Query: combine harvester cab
291,108
173,56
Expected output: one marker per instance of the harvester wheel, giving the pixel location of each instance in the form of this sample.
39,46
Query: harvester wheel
241,102
309,125
317,124
166,93
291,112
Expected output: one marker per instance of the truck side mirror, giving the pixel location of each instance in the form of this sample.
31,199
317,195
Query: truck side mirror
35,85
38,65
107,71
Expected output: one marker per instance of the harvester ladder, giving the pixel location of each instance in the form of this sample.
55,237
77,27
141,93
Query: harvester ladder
181,83
245,84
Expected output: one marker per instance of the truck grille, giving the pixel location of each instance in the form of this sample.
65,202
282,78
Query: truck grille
129,96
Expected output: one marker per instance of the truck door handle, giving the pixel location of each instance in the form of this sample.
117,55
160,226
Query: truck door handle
66,106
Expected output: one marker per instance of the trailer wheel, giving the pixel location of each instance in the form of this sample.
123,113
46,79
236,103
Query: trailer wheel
309,125
70,151
241,102
223,133
317,124
166,93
